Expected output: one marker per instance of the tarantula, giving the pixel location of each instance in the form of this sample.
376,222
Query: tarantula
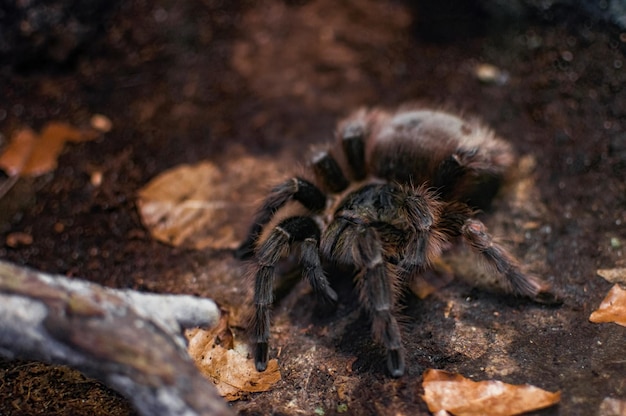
394,190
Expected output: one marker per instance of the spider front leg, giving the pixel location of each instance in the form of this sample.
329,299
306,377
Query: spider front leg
376,285
359,245
283,236
376,292
297,189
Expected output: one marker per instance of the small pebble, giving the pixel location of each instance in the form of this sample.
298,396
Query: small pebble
615,243
491,74
96,178
101,123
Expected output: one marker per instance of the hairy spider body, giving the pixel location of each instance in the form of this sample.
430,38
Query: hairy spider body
393,191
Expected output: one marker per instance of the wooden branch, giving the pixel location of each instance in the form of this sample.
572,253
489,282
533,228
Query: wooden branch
131,341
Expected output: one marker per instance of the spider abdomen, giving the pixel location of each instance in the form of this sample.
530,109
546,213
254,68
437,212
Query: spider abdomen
460,158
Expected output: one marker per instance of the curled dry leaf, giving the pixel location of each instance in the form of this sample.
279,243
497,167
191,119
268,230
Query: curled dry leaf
612,308
218,357
30,154
205,205
454,393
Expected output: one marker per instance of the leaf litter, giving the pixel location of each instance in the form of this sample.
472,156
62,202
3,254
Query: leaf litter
448,392
29,154
32,154
612,407
612,309
201,206
225,360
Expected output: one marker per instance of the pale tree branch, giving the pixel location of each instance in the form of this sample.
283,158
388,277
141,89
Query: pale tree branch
131,341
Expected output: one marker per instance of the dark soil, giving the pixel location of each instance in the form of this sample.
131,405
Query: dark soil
189,81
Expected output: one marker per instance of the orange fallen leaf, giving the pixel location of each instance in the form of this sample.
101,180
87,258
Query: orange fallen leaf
454,393
232,372
29,154
612,308
17,153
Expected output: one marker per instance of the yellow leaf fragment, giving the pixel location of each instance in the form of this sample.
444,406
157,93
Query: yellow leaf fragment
612,308
232,372
454,393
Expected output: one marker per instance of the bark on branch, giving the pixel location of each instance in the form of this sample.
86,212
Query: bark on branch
131,341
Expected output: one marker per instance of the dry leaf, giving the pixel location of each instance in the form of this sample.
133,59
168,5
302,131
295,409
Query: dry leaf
231,371
29,154
612,407
15,156
454,393
617,275
205,205
612,308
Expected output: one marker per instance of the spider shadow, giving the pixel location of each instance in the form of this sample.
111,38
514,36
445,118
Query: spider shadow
348,326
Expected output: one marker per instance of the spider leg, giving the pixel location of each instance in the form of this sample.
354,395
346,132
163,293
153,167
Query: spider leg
377,291
475,233
353,144
328,172
282,237
456,221
313,271
448,174
297,189
376,282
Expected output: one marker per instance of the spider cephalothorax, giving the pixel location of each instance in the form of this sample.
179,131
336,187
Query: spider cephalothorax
393,191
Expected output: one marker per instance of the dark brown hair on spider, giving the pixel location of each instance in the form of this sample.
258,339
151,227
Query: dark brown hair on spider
394,191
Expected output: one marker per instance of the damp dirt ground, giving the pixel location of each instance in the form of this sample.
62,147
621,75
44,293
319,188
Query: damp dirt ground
184,82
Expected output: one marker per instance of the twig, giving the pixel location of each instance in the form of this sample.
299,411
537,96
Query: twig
131,341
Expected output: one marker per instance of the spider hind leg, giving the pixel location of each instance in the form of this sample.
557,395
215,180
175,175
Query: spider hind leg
475,233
